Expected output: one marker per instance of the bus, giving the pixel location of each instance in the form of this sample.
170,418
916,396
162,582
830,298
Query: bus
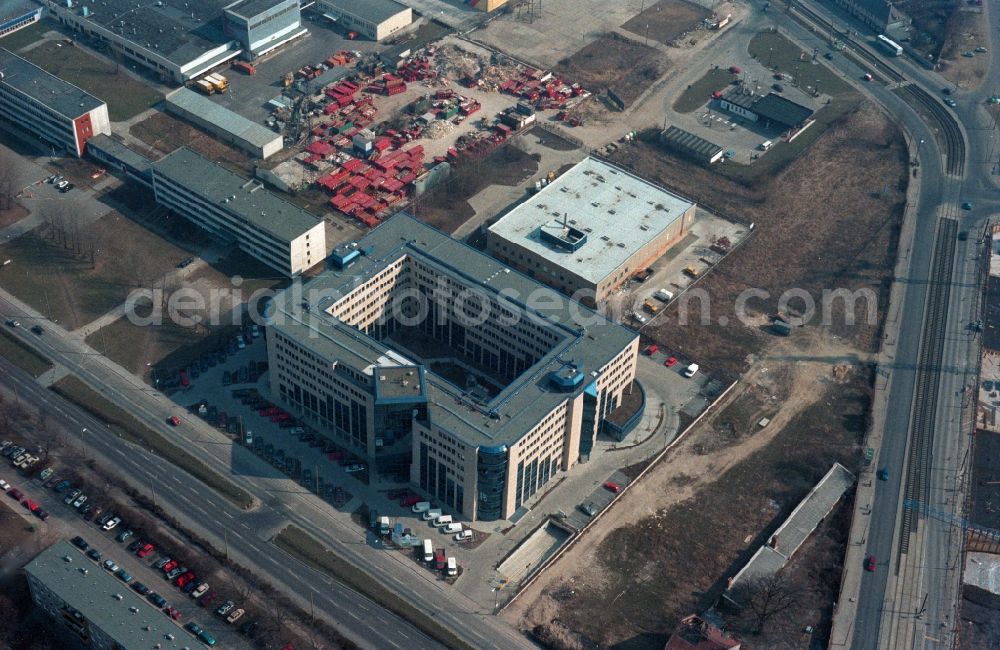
892,47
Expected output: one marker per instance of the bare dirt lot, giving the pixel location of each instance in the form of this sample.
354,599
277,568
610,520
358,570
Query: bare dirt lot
965,33
667,20
613,62
446,207
165,133
668,547
847,193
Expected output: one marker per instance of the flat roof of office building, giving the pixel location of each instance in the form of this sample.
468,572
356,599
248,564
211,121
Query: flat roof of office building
16,8
617,211
178,30
220,116
248,198
587,340
375,11
120,151
62,96
104,600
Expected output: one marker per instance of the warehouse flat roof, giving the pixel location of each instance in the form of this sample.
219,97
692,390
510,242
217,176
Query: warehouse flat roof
62,96
120,151
247,198
690,143
104,600
617,211
178,30
230,122
784,111
251,8
375,11
16,8
586,341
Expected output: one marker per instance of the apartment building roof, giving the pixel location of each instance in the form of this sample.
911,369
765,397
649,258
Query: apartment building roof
28,79
103,599
592,219
586,340
247,198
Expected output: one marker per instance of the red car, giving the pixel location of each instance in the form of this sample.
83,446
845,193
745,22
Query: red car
651,350
173,613
174,420
16,494
170,566
145,550
30,505
184,579
614,487
734,69
185,382
870,563
670,362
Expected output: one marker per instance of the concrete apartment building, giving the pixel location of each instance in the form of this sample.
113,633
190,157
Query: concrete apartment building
434,362
372,19
18,14
93,608
180,39
236,210
263,25
48,107
590,230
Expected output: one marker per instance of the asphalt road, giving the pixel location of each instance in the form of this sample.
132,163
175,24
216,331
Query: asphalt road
886,613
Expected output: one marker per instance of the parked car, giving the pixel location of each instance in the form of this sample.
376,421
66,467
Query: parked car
353,468
140,588
37,330
883,474
189,587
94,555
156,599
176,571
124,575
42,514
870,563
110,565
168,566
200,590
234,616
145,550
185,578
80,543
670,362
71,497
193,628
15,494
124,535
225,608
4,485
162,562
174,420
62,486
691,370
614,487
206,638
173,613
80,500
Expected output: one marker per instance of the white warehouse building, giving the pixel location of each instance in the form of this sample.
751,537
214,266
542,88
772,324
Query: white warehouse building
372,19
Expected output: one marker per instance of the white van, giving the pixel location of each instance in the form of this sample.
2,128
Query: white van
431,515
443,520
450,529
452,567
422,506
664,295
464,535
428,551
765,145
691,370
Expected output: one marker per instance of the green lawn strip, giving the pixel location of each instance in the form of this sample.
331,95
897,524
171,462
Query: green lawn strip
129,427
780,54
17,352
697,94
307,549
126,97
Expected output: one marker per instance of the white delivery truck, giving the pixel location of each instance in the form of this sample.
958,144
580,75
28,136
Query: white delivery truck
452,567
383,525
422,506
450,529
428,551
442,520
431,515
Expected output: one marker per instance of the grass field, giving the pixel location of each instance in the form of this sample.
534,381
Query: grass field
697,94
63,284
126,97
307,549
126,425
21,355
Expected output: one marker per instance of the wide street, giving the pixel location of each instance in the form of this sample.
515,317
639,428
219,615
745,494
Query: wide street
911,599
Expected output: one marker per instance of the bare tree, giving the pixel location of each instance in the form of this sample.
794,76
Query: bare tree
765,597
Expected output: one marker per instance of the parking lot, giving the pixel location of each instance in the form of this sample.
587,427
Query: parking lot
103,532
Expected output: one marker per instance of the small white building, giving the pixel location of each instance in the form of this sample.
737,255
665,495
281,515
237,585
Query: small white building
372,19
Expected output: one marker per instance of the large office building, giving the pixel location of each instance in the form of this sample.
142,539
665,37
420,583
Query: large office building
48,107
18,14
589,231
263,25
182,39
372,19
239,211
94,608
434,361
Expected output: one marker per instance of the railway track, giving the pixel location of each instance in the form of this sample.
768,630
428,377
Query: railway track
945,124
925,397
